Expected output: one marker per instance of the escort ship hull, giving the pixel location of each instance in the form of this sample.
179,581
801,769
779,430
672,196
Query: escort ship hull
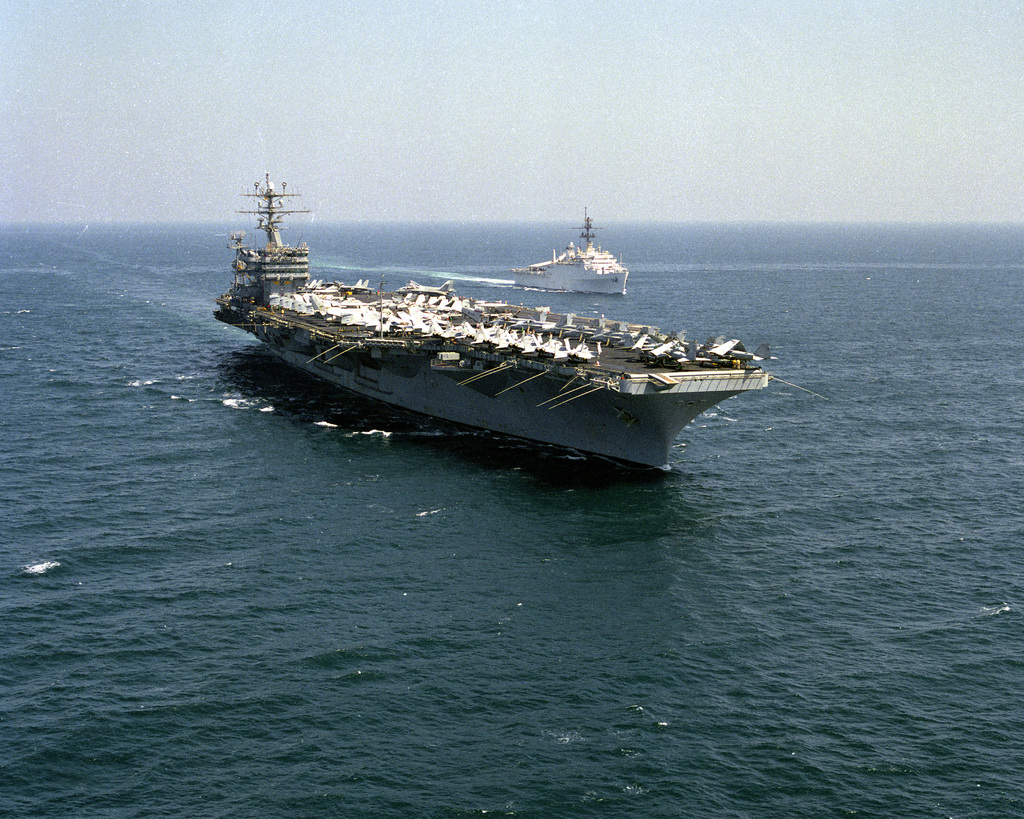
574,277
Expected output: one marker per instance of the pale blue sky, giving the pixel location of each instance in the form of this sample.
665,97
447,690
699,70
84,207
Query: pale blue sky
709,110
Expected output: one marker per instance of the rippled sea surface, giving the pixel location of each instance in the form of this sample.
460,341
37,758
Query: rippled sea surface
228,591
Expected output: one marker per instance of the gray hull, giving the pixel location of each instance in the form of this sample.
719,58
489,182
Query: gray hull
634,422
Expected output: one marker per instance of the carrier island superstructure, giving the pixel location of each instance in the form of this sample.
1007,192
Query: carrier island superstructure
606,388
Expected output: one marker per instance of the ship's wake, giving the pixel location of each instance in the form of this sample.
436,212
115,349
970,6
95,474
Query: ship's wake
398,276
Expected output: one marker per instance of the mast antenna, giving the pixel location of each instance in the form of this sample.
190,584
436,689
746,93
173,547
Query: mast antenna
269,209
588,229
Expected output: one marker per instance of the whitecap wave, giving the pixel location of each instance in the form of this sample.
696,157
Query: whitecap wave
244,403
41,568
1000,609
383,433
327,424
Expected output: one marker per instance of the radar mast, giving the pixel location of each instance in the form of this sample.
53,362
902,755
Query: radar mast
588,230
269,210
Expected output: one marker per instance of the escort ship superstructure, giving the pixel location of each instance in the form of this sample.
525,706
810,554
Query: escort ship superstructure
578,269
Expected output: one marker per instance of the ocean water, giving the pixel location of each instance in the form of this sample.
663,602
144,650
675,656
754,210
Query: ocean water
228,591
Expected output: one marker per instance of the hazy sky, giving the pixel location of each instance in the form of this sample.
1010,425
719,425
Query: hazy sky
688,110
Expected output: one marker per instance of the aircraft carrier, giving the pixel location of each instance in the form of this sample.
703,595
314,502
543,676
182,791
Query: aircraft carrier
606,388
